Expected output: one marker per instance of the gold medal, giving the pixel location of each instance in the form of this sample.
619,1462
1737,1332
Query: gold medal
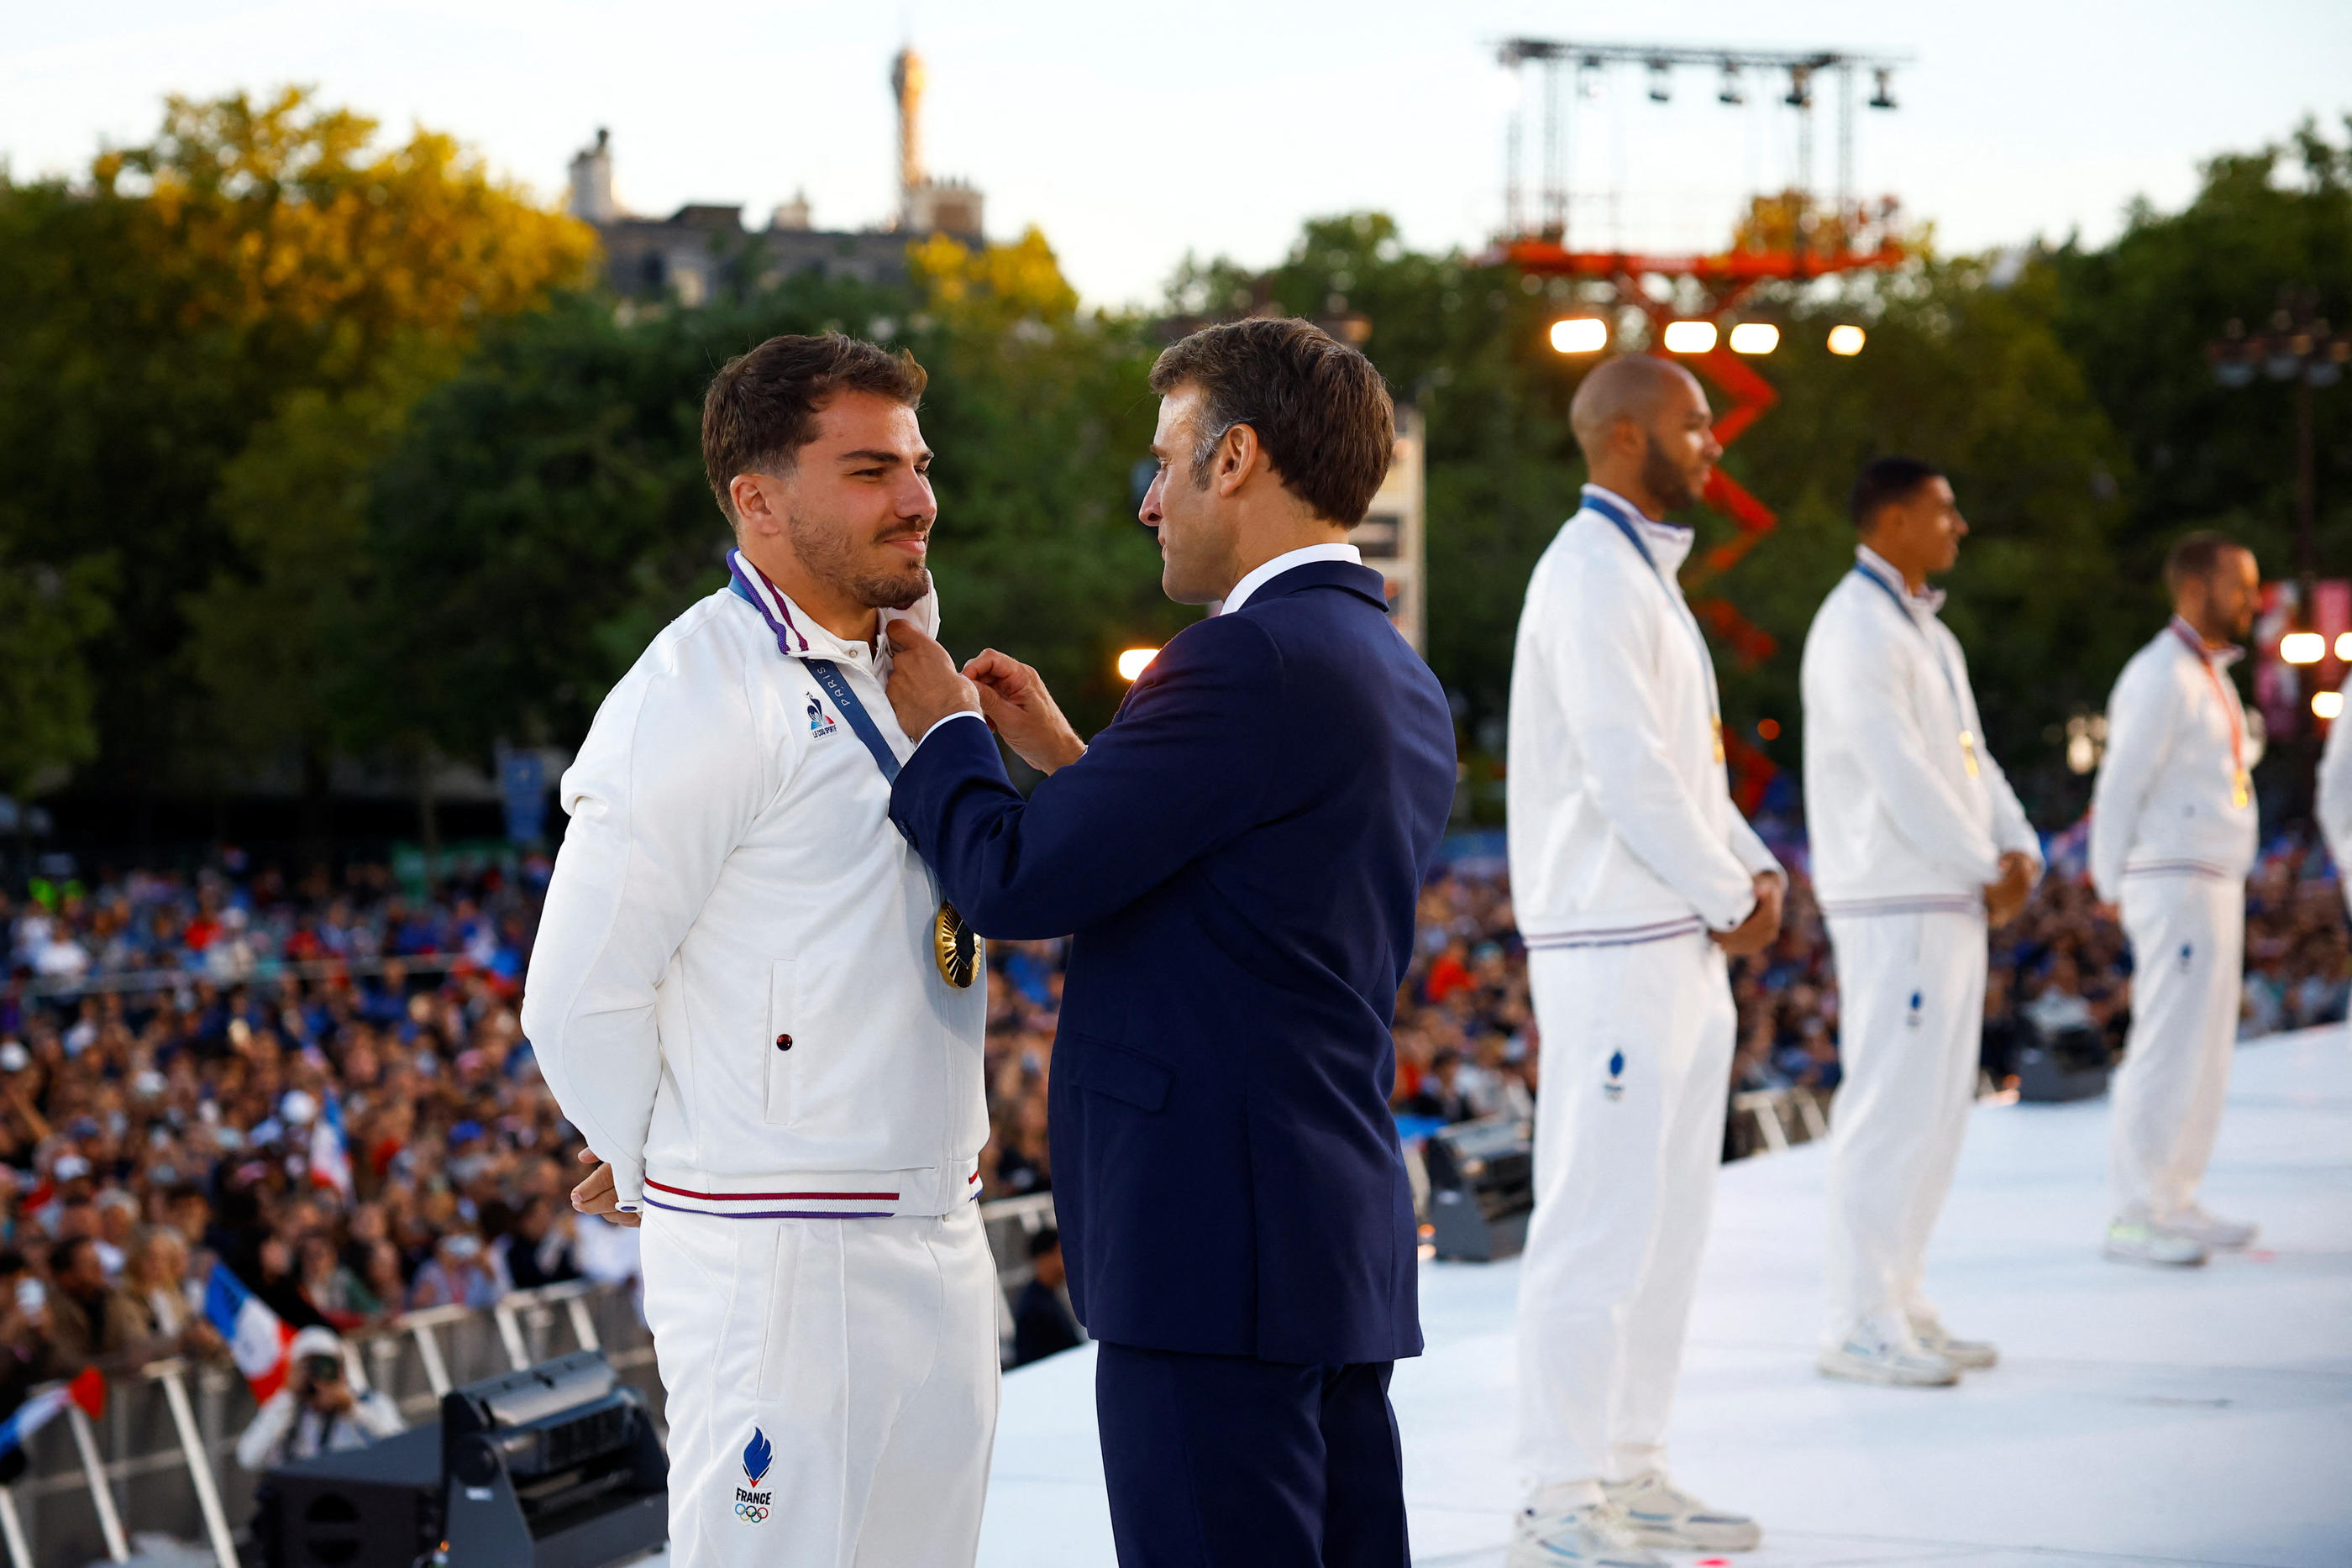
956,946
2240,789
1718,740
1969,752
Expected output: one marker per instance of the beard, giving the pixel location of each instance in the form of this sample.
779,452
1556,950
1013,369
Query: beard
1665,478
830,556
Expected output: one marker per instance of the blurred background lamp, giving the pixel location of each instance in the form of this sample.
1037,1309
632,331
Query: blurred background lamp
1135,661
1755,338
1690,337
2343,646
1580,335
1847,338
2327,705
2303,647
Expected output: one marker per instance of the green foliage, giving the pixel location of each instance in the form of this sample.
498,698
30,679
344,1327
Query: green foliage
46,618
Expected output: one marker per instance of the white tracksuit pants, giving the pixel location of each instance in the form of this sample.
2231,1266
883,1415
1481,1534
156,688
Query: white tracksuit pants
2189,944
832,1387
1636,1071
1910,1032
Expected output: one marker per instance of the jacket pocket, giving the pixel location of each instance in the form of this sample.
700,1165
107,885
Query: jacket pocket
783,1053
1103,1068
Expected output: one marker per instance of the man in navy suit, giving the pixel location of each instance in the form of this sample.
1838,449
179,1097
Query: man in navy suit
1239,856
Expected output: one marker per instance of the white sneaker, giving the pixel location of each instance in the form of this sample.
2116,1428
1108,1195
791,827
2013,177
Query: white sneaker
2209,1231
2137,1241
1663,1514
1967,1355
1594,1536
1876,1354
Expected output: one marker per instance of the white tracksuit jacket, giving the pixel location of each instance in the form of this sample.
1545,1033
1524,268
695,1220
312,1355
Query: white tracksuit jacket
1896,821
1623,828
733,995
2164,803
2334,805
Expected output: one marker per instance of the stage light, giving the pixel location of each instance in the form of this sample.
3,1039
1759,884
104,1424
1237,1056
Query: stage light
1885,96
2343,646
1580,335
1135,661
1768,729
1731,91
1847,338
1690,337
2327,705
2303,647
1801,87
1755,338
1661,81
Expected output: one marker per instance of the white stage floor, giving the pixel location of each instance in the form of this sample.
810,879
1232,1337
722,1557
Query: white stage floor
2139,1416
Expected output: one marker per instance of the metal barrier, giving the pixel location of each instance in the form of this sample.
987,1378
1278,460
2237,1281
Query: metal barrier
1778,1113
164,1455
262,971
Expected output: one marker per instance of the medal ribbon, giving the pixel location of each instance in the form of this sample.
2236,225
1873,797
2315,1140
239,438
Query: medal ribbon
1607,508
1967,736
2240,785
948,928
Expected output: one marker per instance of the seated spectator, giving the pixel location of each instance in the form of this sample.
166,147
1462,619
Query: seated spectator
1042,1324
317,1411
1440,1094
539,1250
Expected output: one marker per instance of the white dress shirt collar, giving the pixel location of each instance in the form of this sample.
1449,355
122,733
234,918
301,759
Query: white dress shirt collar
1669,544
1260,576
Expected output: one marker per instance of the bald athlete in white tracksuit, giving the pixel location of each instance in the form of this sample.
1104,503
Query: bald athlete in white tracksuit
1626,851
1908,816
734,997
2173,834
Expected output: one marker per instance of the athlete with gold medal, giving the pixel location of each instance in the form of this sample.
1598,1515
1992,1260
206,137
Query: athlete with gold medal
1919,845
748,996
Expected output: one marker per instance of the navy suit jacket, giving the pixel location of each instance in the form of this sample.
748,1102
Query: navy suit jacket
1238,857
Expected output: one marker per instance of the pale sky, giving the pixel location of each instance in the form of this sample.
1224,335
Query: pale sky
1133,133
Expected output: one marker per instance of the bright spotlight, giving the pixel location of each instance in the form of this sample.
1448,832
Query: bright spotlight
2303,647
1135,661
2343,646
1690,337
1580,335
1847,338
1755,338
2327,705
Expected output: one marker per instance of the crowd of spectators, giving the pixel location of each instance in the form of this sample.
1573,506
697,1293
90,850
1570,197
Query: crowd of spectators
322,1083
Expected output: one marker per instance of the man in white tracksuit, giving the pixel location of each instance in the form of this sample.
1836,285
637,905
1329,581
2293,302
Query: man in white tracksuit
1917,840
2173,834
1633,874
740,996
2334,804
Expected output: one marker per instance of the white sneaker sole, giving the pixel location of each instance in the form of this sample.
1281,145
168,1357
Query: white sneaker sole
1534,1555
1744,1537
1859,1369
1972,1360
2146,1260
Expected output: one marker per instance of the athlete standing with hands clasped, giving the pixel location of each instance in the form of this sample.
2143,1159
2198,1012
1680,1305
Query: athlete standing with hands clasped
1918,843
2173,833
748,998
1635,876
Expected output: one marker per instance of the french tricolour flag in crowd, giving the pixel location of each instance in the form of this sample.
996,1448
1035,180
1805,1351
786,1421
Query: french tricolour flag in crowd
257,1338
331,1152
88,1390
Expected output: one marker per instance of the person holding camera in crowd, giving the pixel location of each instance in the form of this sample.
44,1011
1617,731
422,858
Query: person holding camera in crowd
317,1411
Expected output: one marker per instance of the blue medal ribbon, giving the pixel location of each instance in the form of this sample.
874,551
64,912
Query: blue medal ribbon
1607,508
1943,668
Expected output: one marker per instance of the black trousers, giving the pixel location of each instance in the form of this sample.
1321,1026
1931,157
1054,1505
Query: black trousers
1225,1461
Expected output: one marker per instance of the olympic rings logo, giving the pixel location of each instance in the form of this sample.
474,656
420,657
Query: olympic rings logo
754,1512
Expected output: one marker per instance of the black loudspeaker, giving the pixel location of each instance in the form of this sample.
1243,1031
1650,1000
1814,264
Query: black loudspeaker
554,1466
377,1507
1482,1187
2071,1064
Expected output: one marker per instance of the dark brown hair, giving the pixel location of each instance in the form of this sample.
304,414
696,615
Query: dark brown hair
1886,482
1319,408
762,406
2197,555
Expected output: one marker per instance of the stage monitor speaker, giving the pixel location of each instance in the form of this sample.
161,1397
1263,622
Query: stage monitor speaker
554,1466
377,1507
1482,1187
2071,1064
